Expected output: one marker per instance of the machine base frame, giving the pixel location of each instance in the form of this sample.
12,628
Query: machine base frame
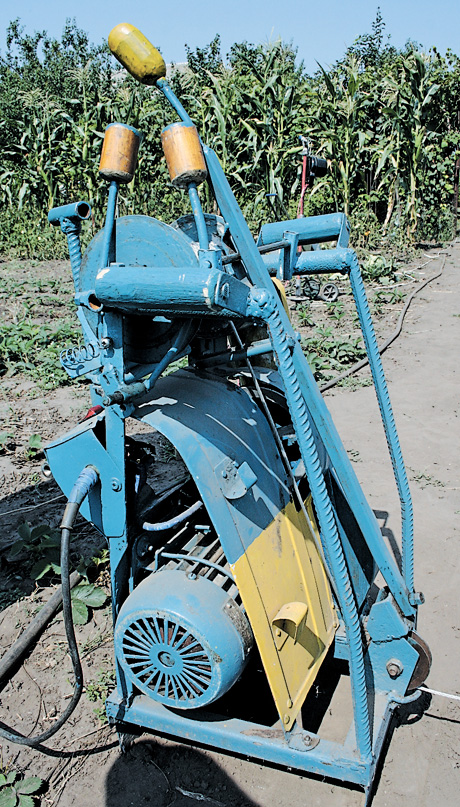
299,749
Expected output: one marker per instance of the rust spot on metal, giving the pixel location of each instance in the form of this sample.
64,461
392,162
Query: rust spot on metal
269,734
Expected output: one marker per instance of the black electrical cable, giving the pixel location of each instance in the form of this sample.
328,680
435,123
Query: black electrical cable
83,485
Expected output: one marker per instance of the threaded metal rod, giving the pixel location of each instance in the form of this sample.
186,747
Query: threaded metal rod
331,541
389,425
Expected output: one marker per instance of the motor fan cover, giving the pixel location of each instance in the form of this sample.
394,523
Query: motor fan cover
182,640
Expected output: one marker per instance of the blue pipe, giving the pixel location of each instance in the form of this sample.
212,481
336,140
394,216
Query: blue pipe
198,214
171,354
161,526
386,411
321,261
329,227
78,211
70,218
137,371
163,85
109,223
195,560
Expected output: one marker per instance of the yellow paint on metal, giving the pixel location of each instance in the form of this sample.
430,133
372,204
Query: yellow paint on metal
136,53
282,294
119,153
184,156
286,594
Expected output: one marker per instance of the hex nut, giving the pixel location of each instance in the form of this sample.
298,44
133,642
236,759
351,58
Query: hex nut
394,668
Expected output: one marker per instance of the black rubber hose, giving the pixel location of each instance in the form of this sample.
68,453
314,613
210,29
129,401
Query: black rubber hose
363,362
83,485
11,658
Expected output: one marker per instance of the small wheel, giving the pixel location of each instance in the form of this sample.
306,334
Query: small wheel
329,292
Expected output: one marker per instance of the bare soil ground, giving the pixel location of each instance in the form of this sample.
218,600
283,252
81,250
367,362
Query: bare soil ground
422,764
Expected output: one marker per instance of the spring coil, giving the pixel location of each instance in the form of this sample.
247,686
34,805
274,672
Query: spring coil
73,356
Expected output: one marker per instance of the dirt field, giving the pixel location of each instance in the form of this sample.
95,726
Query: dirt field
422,763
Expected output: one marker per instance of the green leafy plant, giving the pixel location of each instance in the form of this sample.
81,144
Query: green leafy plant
5,440
85,596
97,691
327,353
33,349
304,315
386,297
35,446
15,791
39,548
336,311
378,269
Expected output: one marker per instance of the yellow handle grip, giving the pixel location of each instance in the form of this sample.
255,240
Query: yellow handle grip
136,53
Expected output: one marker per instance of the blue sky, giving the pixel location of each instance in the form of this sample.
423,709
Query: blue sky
321,31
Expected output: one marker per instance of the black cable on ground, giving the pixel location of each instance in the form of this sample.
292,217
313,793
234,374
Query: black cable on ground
83,485
363,362
11,658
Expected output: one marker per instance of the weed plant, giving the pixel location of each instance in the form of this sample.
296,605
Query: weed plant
327,353
38,324
98,690
17,791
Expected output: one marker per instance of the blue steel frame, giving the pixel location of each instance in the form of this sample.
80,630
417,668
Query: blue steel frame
392,618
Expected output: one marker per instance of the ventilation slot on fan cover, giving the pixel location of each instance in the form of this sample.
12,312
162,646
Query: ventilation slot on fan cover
167,658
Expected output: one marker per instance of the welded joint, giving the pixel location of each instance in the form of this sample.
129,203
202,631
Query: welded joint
261,304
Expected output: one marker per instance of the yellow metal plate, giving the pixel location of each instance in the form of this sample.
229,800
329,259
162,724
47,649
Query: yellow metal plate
286,594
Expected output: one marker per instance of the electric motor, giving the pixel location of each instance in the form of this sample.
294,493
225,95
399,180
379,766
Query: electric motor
181,639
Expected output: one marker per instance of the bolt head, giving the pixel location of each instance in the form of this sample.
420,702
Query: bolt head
115,484
394,668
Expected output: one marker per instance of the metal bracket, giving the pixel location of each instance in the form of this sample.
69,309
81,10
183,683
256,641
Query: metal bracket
289,621
234,480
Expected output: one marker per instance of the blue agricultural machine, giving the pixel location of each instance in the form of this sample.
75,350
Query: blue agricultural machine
243,586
